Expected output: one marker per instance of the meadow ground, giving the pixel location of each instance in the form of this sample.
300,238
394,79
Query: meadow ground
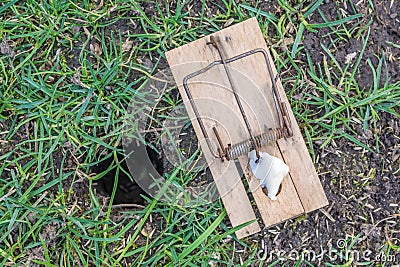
68,71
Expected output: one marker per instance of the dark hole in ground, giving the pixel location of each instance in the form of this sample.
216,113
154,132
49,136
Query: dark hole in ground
127,191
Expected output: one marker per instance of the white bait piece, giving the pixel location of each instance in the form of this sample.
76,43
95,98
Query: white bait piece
269,170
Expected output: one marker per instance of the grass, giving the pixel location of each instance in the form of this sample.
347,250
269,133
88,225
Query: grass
63,95
345,104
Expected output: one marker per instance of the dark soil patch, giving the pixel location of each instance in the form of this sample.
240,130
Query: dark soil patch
385,31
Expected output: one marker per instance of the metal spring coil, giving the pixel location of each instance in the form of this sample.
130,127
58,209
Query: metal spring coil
237,150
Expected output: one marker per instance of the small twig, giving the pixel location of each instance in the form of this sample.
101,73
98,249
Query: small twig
128,206
327,215
76,79
160,129
7,195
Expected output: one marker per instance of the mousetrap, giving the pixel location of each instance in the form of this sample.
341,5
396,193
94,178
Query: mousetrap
237,104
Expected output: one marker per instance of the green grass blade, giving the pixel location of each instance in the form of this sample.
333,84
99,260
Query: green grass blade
202,237
313,7
297,40
334,23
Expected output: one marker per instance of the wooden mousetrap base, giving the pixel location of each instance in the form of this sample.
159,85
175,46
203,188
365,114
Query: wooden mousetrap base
301,190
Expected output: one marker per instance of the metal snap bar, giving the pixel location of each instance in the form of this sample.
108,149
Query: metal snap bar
231,152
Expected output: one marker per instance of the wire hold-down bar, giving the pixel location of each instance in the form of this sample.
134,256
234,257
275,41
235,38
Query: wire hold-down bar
255,142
